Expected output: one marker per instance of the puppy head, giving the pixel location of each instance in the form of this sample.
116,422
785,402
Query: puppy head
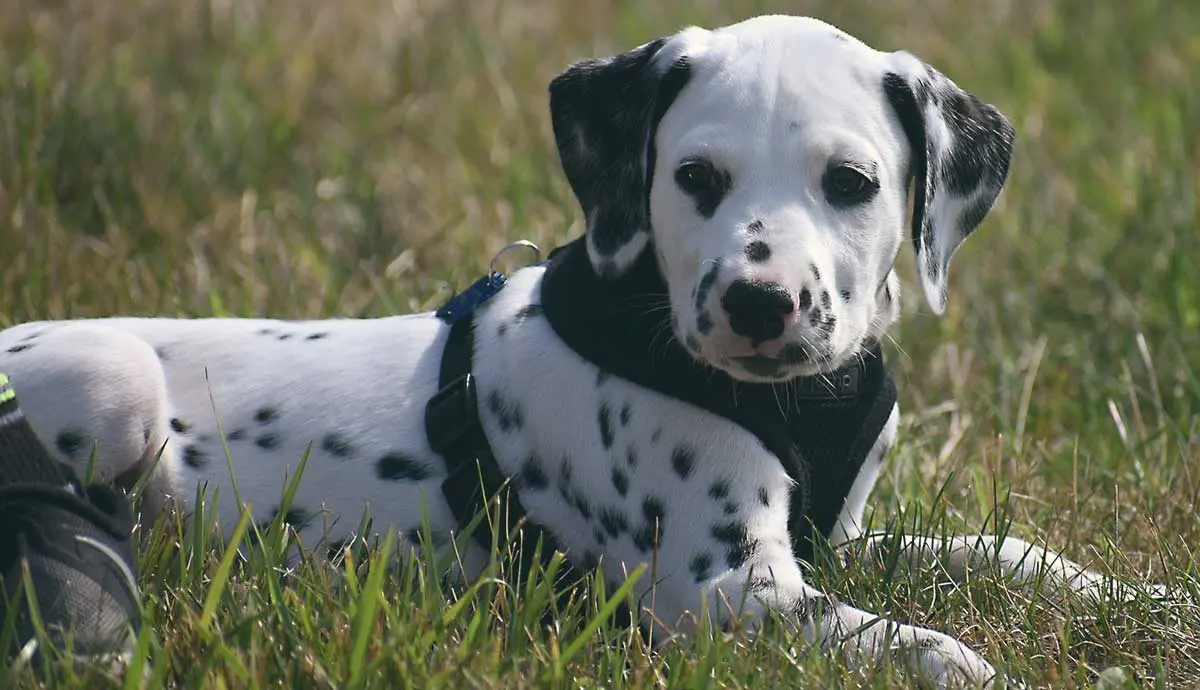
768,166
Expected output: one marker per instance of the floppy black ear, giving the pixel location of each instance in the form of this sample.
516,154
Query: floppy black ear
961,149
604,113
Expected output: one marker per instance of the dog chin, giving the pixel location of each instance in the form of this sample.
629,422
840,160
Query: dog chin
768,370
792,362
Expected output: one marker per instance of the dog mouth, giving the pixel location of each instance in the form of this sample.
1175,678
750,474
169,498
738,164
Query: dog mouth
767,367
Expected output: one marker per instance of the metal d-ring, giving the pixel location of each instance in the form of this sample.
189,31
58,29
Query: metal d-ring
519,244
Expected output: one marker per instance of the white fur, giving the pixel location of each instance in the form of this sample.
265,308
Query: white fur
773,99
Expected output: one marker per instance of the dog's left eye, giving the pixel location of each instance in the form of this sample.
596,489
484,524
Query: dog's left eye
845,184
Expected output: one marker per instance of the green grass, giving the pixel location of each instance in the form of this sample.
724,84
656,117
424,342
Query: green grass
299,158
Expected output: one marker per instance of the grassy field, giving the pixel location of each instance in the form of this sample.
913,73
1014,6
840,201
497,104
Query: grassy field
300,158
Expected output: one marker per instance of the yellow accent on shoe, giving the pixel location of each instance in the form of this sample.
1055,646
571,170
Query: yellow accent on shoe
6,391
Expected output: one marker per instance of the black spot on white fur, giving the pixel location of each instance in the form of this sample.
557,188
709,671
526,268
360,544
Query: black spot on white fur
316,336
400,467
194,457
527,312
508,414
704,323
20,348
620,481
758,252
607,435
266,415
613,521
533,474
573,496
719,489
845,294
267,441
296,518
626,414
755,226
653,509
581,505
338,445
631,457
705,286
237,434
338,547
70,442
179,426
649,534
736,538
701,566
683,460
804,299
764,497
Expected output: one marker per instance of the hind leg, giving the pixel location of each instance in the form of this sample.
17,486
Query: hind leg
93,390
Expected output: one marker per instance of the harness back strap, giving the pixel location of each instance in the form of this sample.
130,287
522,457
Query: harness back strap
474,478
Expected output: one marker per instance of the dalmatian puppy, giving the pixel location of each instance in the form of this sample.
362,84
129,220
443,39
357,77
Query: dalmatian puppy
767,167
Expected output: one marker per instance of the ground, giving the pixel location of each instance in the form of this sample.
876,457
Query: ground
300,158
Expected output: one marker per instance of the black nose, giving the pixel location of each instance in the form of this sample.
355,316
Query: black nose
756,309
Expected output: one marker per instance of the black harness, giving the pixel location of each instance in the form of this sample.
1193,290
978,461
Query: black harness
821,428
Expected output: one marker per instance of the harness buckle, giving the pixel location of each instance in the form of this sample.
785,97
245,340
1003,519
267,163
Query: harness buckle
452,414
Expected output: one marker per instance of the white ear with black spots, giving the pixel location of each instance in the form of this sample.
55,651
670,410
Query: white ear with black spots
961,148
604,113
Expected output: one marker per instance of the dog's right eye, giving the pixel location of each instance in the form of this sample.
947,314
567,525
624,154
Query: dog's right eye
699,179
695,176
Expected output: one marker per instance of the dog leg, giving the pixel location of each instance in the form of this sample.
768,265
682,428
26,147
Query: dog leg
1030,567
84,387
863,637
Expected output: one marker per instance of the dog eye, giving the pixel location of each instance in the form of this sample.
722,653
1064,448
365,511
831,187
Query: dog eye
707,185
696,176
848,185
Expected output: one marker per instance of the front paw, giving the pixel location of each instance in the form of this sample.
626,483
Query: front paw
947,662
